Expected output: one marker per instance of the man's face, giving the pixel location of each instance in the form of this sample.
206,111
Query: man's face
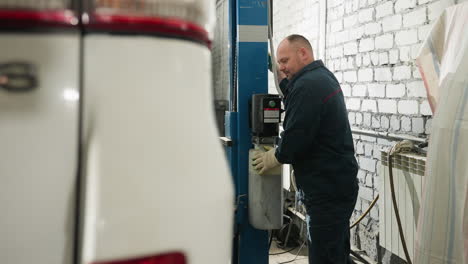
289,59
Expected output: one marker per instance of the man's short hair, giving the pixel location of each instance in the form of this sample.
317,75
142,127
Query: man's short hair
300,41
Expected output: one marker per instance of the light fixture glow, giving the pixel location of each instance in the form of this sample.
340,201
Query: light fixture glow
71,95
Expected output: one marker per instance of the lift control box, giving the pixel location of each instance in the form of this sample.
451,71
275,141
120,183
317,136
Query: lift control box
265,192
265,115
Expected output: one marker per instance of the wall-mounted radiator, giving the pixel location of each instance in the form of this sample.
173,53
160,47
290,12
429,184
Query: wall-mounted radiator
408,175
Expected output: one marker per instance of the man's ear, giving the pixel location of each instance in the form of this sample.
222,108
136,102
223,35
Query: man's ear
302,53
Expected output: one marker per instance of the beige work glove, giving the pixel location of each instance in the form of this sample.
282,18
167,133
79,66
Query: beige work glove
265,162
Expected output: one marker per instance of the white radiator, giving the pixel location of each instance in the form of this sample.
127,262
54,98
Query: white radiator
408,175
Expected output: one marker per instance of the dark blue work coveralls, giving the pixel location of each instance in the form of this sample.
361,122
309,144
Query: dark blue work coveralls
317,141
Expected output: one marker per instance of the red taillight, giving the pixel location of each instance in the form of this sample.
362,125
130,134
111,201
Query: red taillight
171,27
29,18
32,14
174,18
171,258
191,20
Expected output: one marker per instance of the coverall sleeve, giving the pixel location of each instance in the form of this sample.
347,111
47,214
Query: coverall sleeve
301,123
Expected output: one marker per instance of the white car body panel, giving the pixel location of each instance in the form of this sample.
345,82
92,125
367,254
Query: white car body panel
157,178
38,151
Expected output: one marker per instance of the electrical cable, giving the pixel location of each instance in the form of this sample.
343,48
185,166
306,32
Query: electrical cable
283,252
297,254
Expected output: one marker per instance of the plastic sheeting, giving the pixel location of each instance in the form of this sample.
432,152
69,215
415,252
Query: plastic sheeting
443,219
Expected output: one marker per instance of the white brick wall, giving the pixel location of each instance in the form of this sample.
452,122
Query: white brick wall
384,123
350,76
365,75
401,5
416,89
359,90
405,53
350,21
353,104
425,108
384,41
350,48
393,56
406,37
366,15
383,74
383,58
391,23
366,44
423,32
336,26
376,90
401,72
395,90
406,124
415,18
346,88
394,123
387,106
384,9
369,105
368,164
418,125
408,107
372,28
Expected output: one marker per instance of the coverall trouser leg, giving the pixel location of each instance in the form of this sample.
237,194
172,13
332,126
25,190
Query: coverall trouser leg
330,244
329,235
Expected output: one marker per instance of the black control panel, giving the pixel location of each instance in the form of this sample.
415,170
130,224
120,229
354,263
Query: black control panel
265,115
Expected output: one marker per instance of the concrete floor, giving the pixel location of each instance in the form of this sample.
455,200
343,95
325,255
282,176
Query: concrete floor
277,259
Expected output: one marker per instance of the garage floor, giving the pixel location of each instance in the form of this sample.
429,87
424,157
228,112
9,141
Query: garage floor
295,256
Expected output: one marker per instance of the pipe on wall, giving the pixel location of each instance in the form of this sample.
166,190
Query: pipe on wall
387,135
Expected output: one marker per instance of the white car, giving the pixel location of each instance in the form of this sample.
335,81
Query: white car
109,151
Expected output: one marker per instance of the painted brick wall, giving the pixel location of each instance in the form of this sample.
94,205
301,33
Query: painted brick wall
373,56
294,17
370,46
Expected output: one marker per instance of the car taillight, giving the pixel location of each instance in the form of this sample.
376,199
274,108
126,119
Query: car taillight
174,18
171,258
34,13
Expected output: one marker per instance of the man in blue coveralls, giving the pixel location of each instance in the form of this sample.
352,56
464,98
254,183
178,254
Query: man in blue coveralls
317,141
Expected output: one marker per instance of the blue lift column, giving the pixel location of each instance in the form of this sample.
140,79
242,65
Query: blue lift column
249,65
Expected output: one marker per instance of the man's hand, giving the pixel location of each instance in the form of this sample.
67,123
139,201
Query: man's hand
263,162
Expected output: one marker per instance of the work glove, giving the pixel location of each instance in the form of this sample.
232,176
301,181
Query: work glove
265,162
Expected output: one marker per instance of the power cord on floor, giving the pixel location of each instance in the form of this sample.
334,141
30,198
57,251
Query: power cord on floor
297,254
284,252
